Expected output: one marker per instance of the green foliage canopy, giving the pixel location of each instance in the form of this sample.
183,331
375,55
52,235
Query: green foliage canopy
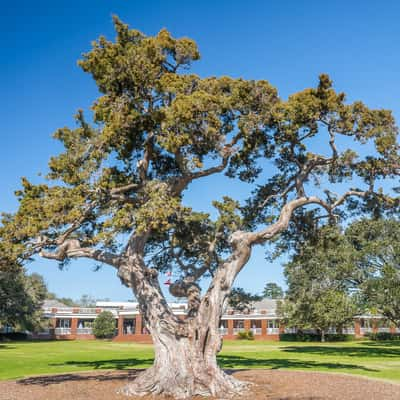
157,127
272,291
320,277
21,298
240,300
376,248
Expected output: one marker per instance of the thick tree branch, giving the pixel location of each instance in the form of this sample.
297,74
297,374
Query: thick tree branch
287,211
77,224
124,189
226,152
71,249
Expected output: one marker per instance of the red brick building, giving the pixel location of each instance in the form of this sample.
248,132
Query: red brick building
262,320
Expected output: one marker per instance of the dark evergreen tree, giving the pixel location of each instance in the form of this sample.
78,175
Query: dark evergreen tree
272,291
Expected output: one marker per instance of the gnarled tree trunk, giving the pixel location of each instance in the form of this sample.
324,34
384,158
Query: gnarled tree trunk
185,362
184,367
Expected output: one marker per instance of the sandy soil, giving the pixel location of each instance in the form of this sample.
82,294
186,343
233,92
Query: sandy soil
268,385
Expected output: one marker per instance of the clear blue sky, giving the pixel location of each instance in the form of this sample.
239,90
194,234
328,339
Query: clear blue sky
286,42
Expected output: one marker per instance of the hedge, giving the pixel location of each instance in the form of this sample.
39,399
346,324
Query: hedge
245,335
383,336
315,337
14,336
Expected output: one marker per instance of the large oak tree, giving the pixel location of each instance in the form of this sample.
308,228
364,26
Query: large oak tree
115,194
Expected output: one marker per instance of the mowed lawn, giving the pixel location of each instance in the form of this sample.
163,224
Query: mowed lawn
373,359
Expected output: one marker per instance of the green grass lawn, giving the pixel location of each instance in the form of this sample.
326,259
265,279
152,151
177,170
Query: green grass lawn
373,359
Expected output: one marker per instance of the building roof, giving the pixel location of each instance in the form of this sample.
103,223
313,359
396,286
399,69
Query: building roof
53,304
266,304
128,305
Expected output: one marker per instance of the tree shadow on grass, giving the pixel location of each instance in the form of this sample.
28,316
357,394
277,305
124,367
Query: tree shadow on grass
118,364
6,347
128,368
381,352
385,343
47,380
227,361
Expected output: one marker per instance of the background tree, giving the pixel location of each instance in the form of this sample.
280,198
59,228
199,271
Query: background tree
104,325
272,291
241,301
21,298
376,247
115,194
65,300
322,310
86,300
320,278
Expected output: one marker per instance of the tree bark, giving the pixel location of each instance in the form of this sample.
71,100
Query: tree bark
184,367
186,350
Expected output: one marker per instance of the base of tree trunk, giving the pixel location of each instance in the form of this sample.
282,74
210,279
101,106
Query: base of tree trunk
183,386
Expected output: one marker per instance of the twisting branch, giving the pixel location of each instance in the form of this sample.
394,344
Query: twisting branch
71,249
62,241
76,224
143,164
287,211
124,189
226,152
332,143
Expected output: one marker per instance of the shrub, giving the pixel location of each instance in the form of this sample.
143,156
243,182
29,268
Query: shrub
14,336
315,337
104,325
246,335
299,337
383,336
339,337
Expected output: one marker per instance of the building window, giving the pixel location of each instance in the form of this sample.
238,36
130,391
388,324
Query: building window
63,323
85,323
129,326
223,327
255,326
84,327
273,327
238,325
365,323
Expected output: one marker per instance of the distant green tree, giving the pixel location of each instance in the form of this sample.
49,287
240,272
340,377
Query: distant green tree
65,300
376,252
321,311
272,291
21,298
320,277
86,300
104,325
240,300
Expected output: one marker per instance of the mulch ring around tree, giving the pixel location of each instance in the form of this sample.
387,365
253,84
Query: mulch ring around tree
268,385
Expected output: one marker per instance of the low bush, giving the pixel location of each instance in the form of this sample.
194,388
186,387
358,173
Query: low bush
104,325
14,336
315,337
339,337
382,336
246,335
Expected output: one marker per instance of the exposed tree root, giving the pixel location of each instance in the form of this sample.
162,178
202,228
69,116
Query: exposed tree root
170,383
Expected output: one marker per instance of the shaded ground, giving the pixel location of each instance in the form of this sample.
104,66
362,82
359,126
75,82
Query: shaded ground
269,385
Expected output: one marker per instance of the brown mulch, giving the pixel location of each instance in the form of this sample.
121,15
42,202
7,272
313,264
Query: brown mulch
269,385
